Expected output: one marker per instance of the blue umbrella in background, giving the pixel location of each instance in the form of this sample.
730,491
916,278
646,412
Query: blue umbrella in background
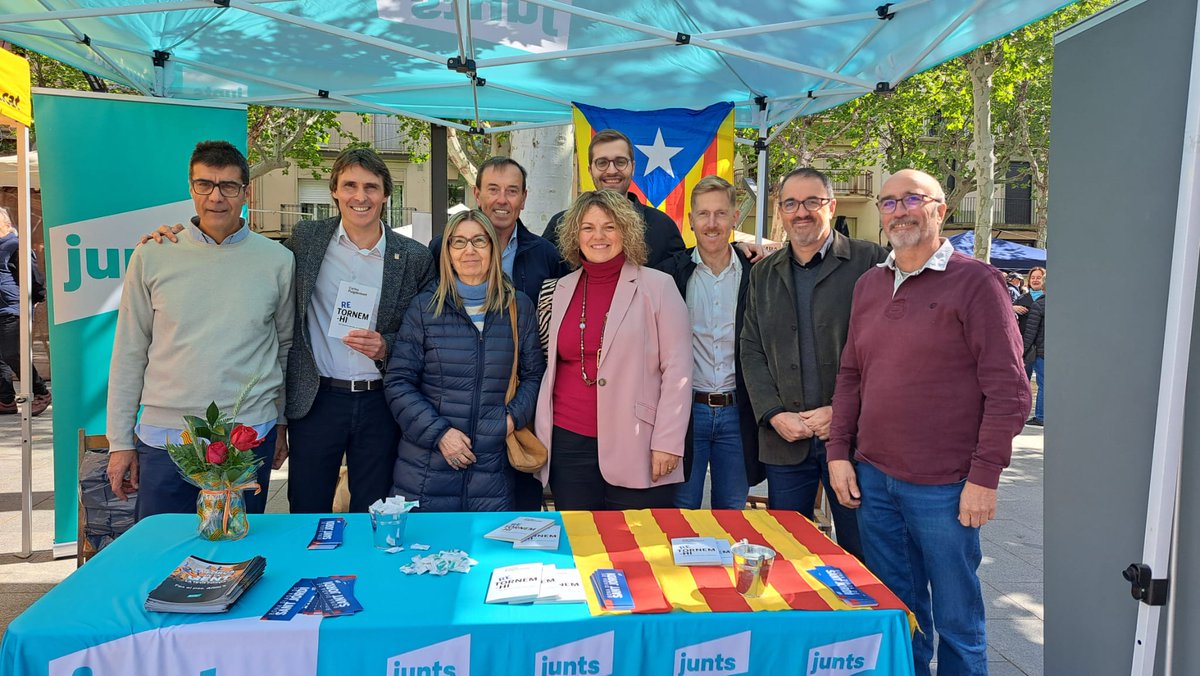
1006,255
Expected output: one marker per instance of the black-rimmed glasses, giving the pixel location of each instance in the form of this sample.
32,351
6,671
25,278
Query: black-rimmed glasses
602,163
227,188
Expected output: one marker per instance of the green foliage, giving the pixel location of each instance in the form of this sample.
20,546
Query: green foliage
276,135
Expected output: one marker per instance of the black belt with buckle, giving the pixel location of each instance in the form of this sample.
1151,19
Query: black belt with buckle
714,399
353,385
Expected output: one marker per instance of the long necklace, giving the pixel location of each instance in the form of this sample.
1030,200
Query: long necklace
583,325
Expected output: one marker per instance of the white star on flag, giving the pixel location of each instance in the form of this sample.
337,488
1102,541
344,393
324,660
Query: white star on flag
660,155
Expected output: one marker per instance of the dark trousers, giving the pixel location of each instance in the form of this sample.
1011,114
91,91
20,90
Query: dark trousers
577,483
794,487
527,492
10,354
358,425
163,490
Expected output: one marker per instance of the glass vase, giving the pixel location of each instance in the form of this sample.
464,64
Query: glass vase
222,512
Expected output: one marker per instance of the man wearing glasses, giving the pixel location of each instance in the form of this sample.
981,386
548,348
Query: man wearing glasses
197,323
797,312
610,162
930,394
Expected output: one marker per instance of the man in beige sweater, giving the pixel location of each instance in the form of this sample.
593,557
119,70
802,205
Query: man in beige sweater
196,323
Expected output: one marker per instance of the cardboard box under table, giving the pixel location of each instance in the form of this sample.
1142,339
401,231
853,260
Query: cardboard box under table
94,620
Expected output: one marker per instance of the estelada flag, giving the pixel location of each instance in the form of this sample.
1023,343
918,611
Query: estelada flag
673,149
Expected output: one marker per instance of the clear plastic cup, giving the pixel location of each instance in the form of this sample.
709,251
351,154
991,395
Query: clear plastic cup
388,529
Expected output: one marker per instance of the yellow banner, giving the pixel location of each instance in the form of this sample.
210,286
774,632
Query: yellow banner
16,104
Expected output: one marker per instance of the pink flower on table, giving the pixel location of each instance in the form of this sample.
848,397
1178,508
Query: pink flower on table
216,452
244,438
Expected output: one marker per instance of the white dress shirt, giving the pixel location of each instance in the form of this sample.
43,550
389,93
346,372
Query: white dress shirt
344,261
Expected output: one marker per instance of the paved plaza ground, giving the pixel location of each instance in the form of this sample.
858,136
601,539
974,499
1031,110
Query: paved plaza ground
1011,571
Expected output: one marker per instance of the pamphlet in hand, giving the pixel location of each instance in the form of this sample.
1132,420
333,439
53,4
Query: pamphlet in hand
200,586
546,540
835,578
353,308
515,584
612,590
520,528
701,551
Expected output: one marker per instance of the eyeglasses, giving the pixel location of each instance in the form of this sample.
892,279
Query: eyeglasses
228,188
602,163
790,206
888,205
478,241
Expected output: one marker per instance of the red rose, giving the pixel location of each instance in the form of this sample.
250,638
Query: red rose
244,438
216,452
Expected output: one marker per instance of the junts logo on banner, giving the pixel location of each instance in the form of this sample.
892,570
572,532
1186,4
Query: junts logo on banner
91,257
591,656
845,658
725,655
520,25
448,658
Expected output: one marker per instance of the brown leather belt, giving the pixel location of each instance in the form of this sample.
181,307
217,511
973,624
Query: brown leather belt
353,385
714,399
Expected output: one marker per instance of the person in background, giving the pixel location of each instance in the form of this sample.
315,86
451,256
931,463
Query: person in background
1035,280
449,372
1014,285
713,278
10,321
1035,352
613,407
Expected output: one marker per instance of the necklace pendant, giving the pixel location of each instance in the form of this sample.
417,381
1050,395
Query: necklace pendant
582,325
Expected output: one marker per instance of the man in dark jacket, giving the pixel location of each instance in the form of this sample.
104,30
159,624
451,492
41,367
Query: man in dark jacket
500,190
797,317
10,320
610,162
335,402
713,278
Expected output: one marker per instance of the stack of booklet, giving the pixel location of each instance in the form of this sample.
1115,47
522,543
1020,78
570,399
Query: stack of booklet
701,551
200,586
612,589
535,583
529,532
330,596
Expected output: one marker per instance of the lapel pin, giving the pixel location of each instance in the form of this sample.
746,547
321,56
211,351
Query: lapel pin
396,256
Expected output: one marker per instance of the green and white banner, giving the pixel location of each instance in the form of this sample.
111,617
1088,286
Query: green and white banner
112,168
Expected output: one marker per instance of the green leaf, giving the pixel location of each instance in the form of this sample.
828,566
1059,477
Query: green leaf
213,413
195,424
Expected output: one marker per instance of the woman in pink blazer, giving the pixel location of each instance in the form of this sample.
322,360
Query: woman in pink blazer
615,400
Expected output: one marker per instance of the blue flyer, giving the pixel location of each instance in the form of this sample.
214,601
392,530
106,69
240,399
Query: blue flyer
330,532
835,578
612,589
293,601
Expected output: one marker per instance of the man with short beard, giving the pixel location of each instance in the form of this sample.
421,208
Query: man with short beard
930,394
797,313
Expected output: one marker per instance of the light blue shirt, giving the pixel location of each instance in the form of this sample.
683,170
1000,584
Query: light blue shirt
712,303
509,255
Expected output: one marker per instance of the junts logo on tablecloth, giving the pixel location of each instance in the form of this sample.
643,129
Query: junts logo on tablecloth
591,656
844,658
725,655
448,658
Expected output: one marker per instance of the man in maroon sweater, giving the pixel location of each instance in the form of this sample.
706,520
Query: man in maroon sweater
930,393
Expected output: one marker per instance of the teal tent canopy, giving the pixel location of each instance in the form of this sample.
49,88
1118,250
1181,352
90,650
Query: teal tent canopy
513,60
1004,254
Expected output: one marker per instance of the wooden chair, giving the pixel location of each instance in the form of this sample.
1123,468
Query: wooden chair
87,442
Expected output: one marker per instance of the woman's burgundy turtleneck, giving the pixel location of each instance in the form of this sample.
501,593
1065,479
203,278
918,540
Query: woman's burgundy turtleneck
574,400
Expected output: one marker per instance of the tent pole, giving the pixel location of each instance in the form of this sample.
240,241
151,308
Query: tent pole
1172,390
763,190
24,391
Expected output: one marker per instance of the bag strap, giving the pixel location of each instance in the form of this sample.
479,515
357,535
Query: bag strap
512,320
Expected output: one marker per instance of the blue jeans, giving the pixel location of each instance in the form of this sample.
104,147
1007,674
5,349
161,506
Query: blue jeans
163,490
916,546
794,487
1039,372
358,425
716,442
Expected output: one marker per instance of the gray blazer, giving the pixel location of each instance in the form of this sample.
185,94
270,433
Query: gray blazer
771,345
407,268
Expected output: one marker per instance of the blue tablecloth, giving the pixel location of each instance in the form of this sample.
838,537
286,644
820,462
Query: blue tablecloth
93,624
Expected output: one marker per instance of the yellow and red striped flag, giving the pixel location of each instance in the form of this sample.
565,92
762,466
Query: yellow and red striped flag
673,149
639,543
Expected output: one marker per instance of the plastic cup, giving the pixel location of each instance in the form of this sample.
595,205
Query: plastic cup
751,566
388,529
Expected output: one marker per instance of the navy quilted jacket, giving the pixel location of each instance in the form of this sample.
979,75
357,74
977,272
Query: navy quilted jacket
445,373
